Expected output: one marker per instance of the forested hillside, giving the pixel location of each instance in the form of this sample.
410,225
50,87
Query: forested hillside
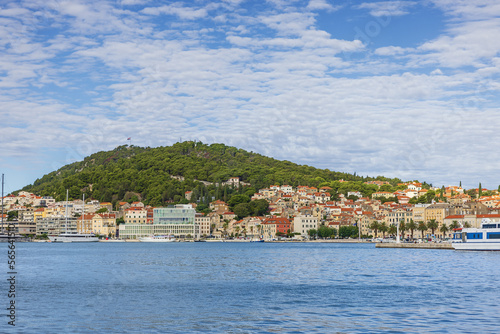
163,174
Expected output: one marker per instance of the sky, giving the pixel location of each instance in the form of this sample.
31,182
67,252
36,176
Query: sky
405,89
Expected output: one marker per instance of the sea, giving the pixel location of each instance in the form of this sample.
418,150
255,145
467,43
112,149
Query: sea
249,288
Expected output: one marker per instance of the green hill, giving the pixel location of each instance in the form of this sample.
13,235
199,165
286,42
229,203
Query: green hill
153,175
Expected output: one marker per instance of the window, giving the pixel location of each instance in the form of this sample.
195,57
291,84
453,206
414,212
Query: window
493,235
489,225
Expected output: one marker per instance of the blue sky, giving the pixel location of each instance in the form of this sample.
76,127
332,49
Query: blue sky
404,89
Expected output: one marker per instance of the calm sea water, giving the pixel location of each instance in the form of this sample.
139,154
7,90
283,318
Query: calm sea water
252,288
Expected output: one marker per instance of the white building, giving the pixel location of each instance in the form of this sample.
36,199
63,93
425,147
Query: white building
204,224
178,220
303,223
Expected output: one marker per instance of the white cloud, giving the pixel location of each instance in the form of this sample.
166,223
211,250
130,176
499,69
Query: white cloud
178,10
391,51
269,81
387,8
320,5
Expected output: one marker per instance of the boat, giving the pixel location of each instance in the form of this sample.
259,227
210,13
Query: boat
70,236
486,238
257,240
158,238
74,237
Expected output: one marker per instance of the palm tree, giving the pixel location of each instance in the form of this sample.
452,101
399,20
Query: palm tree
393,229
402,228
454,225
444,229
375,227
432,225
225,226
466,224
422,228
237,230
412,226
383,228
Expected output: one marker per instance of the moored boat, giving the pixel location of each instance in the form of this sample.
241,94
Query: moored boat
74,237
486,238
158,238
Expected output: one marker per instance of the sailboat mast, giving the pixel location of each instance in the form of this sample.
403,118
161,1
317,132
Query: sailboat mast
66,213
83,216
2,205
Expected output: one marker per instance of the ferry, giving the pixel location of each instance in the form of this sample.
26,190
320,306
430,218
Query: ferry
486,238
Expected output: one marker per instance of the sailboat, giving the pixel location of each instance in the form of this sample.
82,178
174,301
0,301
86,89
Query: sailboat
73,237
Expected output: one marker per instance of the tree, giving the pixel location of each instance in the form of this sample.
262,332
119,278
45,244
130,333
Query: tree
258,207
312,233
422,227
238,199
12,215
454,225
348,231
466,224
102,210
325,231
480,190
242,210
432,225
402,228
392,229
383,228
444,229
374,226
225,226
412,226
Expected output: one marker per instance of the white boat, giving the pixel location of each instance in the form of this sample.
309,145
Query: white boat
486,238
73,236
158,238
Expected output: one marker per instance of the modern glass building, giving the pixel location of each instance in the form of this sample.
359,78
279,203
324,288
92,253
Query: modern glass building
175,220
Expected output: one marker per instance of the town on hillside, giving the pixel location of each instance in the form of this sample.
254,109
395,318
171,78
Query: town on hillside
290,213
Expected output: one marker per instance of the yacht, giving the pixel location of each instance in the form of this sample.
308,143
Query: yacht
158,238
486,238
73,236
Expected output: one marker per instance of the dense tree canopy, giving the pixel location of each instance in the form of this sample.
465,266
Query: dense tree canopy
162,175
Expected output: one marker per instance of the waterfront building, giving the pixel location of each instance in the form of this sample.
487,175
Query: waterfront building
204,223
178,220
305,222
84,223
104,224
274,225
136,215
55,225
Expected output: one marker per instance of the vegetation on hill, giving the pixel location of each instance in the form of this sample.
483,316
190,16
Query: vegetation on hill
162,175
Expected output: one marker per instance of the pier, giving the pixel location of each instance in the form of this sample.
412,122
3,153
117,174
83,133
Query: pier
423,245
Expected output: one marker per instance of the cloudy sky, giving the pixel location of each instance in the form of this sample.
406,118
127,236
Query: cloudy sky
404,89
